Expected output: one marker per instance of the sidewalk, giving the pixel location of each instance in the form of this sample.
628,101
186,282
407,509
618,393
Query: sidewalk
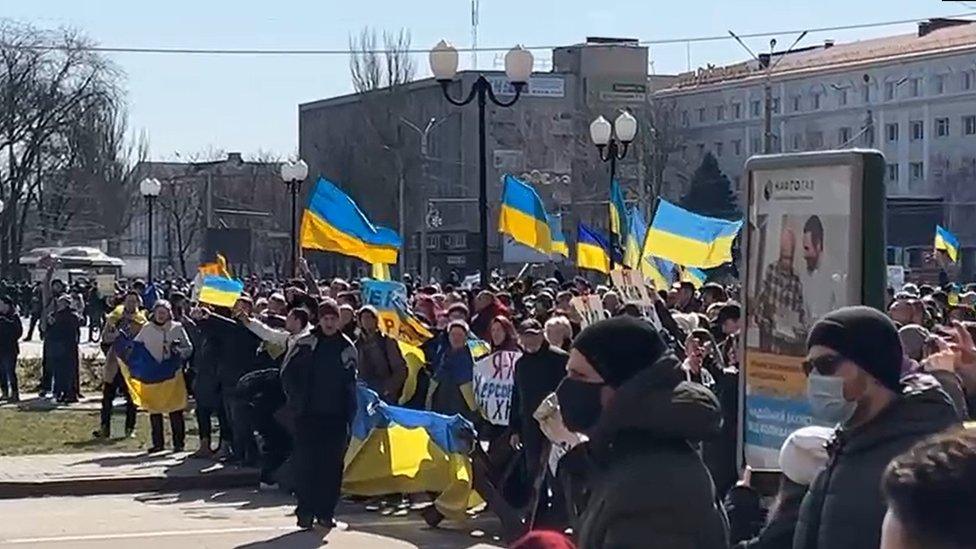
114,473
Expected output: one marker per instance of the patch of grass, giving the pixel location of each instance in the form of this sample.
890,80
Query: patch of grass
26,432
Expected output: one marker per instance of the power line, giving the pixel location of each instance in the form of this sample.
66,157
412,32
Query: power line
317,52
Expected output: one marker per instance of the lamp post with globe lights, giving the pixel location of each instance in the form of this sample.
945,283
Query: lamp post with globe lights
293,174
518,68
150,189
612,141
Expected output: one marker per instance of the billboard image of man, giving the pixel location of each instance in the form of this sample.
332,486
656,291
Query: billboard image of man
780,308
819,286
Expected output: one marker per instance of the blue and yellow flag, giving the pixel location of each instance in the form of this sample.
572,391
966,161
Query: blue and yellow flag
479,348
689,239
635,238
523,216
220,291
660,271
947,242
157,387
402,451
334,223
693,275
619,224
381,271
556,235
592,250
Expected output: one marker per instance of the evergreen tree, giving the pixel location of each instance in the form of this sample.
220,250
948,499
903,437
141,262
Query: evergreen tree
710,192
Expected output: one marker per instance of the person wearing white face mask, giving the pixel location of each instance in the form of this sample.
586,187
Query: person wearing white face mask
853,366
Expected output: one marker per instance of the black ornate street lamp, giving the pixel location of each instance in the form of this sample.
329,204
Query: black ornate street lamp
150,189
518,68
293,174
613,141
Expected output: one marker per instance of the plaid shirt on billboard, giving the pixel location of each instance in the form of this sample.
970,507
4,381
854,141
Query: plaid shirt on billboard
781,292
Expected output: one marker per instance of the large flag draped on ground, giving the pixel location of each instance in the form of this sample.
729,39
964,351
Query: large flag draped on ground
556,235
636,230
947,242
403,451
334,223
523,216
395,318
592,250
690,239
157,387
618,219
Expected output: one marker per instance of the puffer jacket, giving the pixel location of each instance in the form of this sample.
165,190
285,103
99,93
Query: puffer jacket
648,486
844,507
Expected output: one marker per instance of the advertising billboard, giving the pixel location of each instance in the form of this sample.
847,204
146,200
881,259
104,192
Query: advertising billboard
813,245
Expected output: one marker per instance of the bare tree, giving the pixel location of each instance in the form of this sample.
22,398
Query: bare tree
47,79
660,144
181,202
373,68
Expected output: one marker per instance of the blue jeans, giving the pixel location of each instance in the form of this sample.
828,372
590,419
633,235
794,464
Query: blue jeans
8,376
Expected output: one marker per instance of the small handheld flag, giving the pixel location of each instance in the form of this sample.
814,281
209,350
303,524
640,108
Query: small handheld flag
618,219
220,291
947,242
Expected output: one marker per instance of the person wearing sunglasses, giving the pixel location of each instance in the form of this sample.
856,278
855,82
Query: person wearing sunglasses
853,369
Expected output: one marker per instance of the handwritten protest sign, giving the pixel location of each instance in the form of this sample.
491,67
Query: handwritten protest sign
494,380
632,289
395,320
590,309
105,284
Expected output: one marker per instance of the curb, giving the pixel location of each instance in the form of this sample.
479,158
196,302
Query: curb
126,485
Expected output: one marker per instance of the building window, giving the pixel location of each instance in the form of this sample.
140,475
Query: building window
737,147
457,241
916,171
889,91
736,111
891,132
720,112
917,130
816,101
684,118
892,173
815,140
433,241
776,105
941,127
938,83
718,149
796,103
756,145
865,93
967,80
915,87
843,136
701,114
842,97
867,138
795,142
969,125
756,107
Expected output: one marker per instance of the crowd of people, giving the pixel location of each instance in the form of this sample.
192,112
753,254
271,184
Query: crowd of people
653,393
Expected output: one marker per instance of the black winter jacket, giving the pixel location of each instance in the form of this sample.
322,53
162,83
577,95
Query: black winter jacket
648,485
319,378
536,376
844,507
10,331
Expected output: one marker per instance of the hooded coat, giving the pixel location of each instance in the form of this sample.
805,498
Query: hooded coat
844,507
647,485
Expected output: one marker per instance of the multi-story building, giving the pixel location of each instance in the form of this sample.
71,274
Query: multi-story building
233,206
911,96
367,142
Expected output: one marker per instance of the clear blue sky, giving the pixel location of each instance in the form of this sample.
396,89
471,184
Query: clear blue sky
188,103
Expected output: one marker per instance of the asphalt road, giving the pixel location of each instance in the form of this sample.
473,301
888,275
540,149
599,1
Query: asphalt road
242,519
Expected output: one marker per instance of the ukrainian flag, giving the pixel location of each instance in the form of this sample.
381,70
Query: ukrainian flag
635,238
556,235
592,250
402,451
690,239
157,387
381,271
618,213
523,216
334,223
660,271
479,348
220,291
693,275
947,242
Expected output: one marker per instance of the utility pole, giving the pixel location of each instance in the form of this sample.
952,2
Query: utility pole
425,158
768,65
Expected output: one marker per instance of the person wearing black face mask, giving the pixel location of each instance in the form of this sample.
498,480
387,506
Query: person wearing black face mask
643,482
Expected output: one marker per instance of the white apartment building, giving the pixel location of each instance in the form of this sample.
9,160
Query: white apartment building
911,96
